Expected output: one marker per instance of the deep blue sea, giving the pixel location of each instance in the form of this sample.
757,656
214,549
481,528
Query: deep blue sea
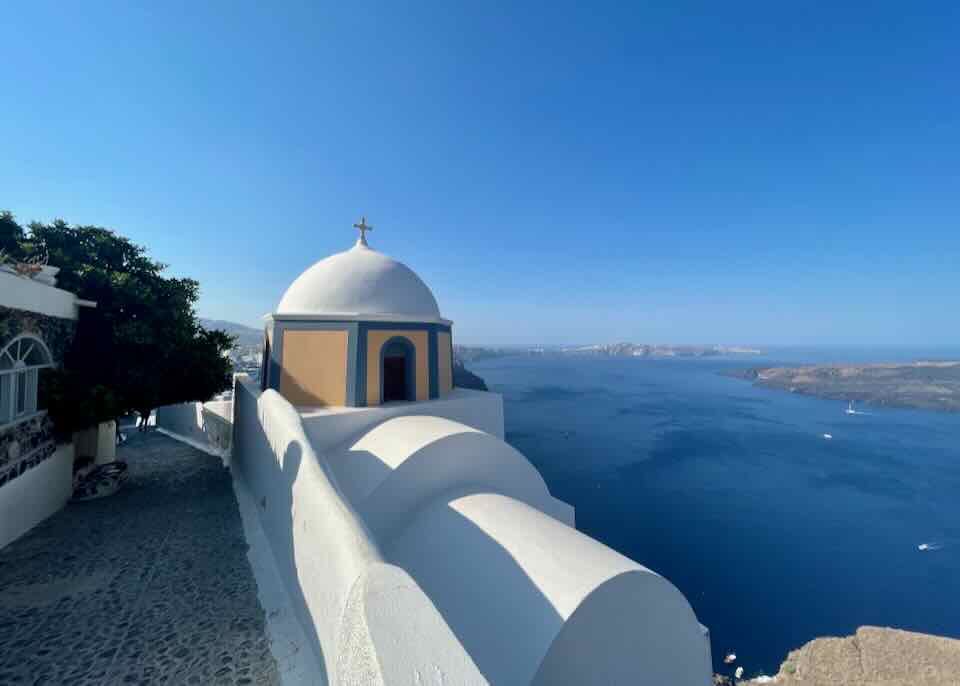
775,534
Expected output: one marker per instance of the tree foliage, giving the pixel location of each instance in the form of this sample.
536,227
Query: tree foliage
141,347
11,235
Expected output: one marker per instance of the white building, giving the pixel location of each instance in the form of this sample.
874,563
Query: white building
37,323
414,544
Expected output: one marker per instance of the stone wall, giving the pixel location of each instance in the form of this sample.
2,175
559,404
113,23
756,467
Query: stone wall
55,332
24,445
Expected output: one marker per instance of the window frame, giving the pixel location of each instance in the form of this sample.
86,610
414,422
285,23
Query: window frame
19,382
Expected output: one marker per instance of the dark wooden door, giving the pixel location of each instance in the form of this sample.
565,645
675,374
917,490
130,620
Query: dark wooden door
394,378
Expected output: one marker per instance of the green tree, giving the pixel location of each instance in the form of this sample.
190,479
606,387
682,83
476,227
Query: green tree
11,235
141,347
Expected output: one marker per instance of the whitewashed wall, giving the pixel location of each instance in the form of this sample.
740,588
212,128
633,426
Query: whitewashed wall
36,494
535,601
391,471
209,423
329,427
424,550
333,569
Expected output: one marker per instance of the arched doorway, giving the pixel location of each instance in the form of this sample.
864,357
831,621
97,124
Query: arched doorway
397,363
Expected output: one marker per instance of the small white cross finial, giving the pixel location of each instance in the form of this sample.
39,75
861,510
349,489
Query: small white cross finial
363,227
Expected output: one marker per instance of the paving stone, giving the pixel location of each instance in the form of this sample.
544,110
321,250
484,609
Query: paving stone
151,585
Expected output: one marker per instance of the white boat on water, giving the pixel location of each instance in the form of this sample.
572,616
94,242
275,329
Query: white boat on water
828,436
850,409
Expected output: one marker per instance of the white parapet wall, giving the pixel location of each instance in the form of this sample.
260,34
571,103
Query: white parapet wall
404,462
419,548
36,494
331,566
535,601
209,423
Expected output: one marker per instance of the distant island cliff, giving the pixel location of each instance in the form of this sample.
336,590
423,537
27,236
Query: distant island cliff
463,354
470,353
927,385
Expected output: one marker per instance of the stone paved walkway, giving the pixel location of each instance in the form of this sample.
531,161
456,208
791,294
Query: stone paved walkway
150,586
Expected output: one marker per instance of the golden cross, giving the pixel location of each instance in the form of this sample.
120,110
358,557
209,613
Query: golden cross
363,227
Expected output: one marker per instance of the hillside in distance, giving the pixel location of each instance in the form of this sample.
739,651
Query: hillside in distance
246,335
470,353
926,385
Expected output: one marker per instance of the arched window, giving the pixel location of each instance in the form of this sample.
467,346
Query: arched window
20,364
397,370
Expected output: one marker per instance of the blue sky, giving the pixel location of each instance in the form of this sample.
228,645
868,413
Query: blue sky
557,172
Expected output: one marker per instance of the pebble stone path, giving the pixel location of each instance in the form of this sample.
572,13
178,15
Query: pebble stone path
149,586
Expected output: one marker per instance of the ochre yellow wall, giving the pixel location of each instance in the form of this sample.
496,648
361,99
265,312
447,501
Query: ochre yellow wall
314,368
375,341
444,363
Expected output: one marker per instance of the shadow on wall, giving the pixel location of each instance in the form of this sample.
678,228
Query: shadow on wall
279,502
497,612
528,599
533,601
294,389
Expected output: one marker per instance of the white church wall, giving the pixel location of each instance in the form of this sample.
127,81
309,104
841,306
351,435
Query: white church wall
328,427
408,461
36,494
404,562
330,565
319,544
388,611
533,600
636,628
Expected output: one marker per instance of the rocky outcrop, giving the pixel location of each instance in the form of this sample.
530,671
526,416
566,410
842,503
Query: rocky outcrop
873,656
464,378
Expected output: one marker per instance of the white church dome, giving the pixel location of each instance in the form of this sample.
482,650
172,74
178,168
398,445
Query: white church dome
361,283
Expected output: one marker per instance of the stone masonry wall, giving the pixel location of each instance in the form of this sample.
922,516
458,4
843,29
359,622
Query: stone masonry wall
24,445
57,333
27,443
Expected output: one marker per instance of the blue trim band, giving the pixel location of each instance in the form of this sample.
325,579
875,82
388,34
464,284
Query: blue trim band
433,363
362,365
